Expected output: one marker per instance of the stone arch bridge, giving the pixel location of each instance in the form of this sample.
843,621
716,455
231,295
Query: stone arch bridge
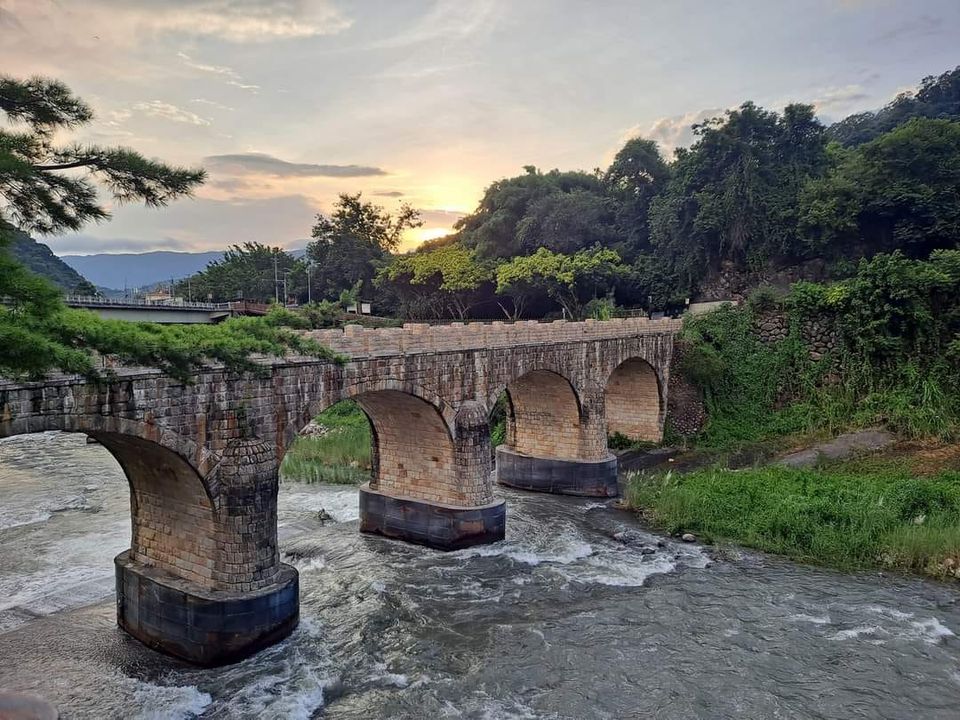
203,580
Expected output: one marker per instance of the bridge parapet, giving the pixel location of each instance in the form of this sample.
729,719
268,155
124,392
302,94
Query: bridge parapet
417,338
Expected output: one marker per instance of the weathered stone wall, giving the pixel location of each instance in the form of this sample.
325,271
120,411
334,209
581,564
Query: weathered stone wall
686,409
818,334
202,457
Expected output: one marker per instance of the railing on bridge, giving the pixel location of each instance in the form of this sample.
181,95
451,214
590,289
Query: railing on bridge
415,338
237,307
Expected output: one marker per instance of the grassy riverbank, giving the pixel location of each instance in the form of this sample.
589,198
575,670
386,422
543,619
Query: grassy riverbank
342,454
866,513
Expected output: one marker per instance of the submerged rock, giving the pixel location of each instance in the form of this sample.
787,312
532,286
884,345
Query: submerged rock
688,537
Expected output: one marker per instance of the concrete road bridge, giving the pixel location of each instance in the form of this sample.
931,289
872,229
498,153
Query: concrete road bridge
203,580
164,312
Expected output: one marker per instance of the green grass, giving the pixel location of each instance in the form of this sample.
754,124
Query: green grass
847,515
342,456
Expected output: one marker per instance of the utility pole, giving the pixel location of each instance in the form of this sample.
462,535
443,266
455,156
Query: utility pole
276,280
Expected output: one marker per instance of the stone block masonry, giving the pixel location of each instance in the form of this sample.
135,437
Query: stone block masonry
202,457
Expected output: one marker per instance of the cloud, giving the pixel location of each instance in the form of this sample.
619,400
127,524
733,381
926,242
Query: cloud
839,97
263,164
234,78
389,193
243,86
198,224
914,29
160,109
446,218
212,103
84,244
202,67
449,21
671,132
117,38
247,20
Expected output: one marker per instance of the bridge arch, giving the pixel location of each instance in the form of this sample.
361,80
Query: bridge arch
543,415
173,511
414,450
634,401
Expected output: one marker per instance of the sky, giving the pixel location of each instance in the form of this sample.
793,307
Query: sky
287,103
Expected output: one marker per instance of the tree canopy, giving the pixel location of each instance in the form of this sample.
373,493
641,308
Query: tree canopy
39,189
353,242
251,271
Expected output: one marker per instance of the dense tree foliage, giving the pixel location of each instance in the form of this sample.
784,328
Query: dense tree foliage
517,214
444,282
937,97
39,259
570,280
251,271
353,242
40,189
757,191
733,195
899,191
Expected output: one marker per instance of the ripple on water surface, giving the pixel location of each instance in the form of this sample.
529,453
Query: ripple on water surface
579,613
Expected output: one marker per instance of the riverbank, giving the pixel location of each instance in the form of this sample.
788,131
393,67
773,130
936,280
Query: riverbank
335,448
899,509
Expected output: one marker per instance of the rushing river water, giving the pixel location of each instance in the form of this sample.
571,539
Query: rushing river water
580,613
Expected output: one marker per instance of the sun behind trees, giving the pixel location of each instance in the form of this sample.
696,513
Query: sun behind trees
757,191
41,190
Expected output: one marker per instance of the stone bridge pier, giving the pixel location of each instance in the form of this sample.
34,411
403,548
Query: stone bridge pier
203,579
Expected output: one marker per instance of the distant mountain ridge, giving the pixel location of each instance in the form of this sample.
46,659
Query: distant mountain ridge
141,270
135,270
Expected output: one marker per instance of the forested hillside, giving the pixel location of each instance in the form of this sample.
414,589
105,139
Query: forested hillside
38,258
761,196
758,191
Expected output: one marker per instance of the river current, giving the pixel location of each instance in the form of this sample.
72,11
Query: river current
580,613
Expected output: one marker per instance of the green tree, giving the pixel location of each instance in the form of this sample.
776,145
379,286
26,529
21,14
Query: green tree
636,176
251,271
570,280
733,195
515,214
566,222
39,188
898,191
936,97
448,279
353,241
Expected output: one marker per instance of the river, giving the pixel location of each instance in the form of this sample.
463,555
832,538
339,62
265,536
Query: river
580,613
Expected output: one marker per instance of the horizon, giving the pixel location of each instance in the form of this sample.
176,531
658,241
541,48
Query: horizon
288,105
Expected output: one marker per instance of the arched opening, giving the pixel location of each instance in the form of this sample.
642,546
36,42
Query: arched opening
543,416
397,441
413,452
335,447
172,517
633,402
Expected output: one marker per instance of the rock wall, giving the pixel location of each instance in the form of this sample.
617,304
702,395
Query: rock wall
820,335
686,409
